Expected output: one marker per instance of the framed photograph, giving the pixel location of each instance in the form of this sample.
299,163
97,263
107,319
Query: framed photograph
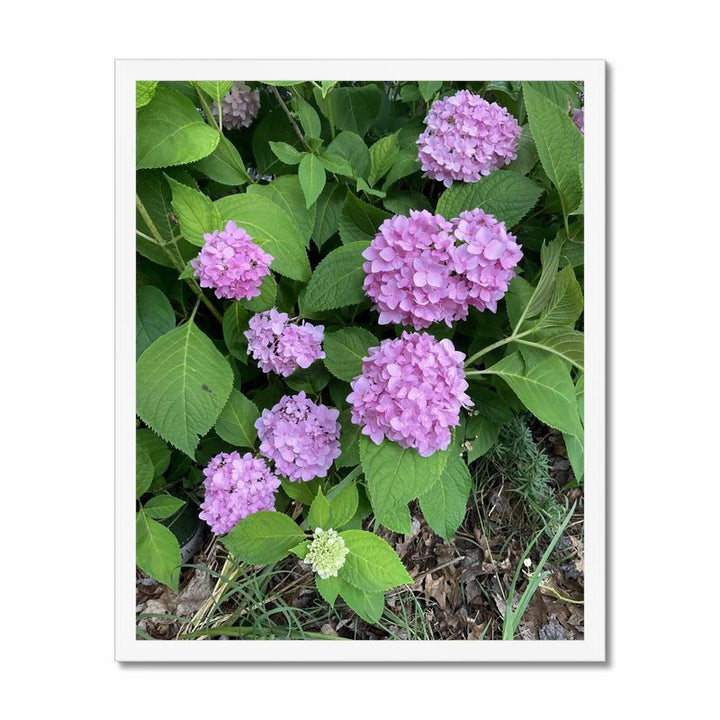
360,360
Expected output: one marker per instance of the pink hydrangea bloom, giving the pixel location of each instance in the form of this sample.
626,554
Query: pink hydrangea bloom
466,137
235,487
280,345
423,269
239,106
410,391
301,437
484,259
578,117
231,263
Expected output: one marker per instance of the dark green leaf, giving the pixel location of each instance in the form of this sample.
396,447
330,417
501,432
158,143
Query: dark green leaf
359,221
154,317
162,506
236,422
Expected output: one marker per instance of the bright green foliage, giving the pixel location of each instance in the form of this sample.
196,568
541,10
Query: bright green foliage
195,212
144,91
224,165
263,537
163,506
236,422
359,221
445,503
216,89
157,551
144,471
312,178
371,564
345,349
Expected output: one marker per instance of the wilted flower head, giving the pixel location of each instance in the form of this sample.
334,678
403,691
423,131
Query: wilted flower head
578,117
485,258
301,437
410,391
239,106
235,487
231,263
326,553
280,345
466,137
423,269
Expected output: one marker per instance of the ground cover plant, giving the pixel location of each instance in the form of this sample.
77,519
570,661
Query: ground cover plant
359,359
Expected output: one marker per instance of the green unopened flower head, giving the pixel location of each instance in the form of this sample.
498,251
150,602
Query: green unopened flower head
326,553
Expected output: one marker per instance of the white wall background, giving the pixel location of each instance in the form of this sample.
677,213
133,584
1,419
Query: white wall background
56,396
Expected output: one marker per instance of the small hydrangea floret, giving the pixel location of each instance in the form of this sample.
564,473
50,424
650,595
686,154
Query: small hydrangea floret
281,345
423,269
239,106
466,137
326,553
231,263
410,391
301,437
236,486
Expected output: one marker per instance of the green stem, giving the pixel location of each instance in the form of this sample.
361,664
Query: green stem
208,110
496,345
175,258
290,118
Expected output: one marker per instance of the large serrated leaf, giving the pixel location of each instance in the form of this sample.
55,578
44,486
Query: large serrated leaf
368,605
359,221
354,108
337,280
170,131
444,505
154,317
272,229
263,537
224,165
183,382
195,212
312,178
329,208
157,551
216,89
352,148
371,564
236,422
505,194
345,350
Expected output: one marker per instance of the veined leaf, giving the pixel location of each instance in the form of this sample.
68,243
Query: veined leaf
236,422
312,178
195,212
368,605
359,221
444,505
224,165
154,317
144,91
371,564
157,551
345,350
263,537
216,89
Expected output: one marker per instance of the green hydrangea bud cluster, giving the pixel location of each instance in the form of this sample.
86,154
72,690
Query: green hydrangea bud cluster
326,553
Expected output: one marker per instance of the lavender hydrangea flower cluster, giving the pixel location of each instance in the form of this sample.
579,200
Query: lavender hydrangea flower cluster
301,437
466,137
239,106
578,117
410,391
280,345
235,487
231,263
417,274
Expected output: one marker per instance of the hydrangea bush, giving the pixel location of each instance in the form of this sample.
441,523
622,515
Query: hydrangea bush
344,290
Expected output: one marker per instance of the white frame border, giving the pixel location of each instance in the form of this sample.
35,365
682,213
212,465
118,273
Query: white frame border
593,647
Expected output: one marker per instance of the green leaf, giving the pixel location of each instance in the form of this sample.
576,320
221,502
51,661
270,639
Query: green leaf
329,588
362,186
154,194
216,89
559,145
352,148
506,195
549,258
406,164
156,448
568,346
345,350
301,549
343,506
266,299
272,229
235,323
546,389
274,127
224,165
401,202
329,207
263,537
396,475
429,88
287,153
312,178
337,165
481,434
183,382
359,221
157,551
371,563
154,317
309,119
444,505
144,471
319,514
236,422
337,280
354,108
368,605
195,212
566,302
170,131
144,91
383,155
348,441
527,156
310,380
303,492
285,192
162,506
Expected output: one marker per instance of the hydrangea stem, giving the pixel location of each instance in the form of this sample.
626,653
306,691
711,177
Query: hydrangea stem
290,118
174,257
494,346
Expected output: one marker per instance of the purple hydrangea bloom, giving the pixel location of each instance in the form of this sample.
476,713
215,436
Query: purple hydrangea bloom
485,258
239,106
280,345
466,137
302,438
423,269
578,117
236,486
231,263
410,391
